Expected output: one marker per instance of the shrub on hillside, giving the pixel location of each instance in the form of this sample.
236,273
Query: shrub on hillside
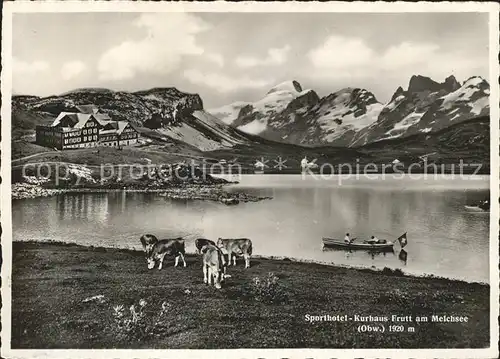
139,324
267,289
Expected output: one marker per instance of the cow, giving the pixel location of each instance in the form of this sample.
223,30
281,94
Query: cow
172,247
147,241
213,265
236,247
201,242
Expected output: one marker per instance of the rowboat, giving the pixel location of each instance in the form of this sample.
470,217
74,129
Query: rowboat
475,209
338,243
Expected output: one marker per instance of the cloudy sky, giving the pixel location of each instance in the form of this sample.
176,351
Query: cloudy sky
226,57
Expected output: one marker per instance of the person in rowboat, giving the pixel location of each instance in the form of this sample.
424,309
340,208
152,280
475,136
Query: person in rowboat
347,239
484,205
372,240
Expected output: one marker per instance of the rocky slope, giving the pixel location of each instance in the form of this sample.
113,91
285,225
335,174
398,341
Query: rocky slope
427,107
347,125
168,111
354,117
468,141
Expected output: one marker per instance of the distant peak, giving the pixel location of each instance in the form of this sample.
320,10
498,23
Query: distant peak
451,84
420,83
399,92
290,86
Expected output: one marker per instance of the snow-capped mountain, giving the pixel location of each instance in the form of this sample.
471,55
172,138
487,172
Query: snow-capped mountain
427,107
264,117
167,111
353,116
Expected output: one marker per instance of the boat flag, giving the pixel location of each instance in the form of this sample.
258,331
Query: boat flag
403,240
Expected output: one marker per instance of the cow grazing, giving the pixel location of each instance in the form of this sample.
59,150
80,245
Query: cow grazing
147,241
236,247
201,242
172,247
213,265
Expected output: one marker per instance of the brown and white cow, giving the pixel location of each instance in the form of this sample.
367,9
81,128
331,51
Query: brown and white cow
213,265
172,247
147,241
201,242
235,247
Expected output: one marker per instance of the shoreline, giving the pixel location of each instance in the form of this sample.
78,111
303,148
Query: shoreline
385,271
75,292
203,192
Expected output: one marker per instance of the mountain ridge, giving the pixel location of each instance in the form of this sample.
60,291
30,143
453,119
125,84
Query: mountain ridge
166,110
178,123
353,117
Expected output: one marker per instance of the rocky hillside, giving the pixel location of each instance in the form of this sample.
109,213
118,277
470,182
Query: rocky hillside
353,117
167,111
428,107
468,141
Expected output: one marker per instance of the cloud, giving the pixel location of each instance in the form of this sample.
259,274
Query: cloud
29,68
169,37
351,58
223,83
339,52
72,69
275,56
216,58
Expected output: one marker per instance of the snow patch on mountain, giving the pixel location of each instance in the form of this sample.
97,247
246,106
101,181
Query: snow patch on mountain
337,120
462,95
228,113
400,127
479,105
276,100
391,105
255,127
254,117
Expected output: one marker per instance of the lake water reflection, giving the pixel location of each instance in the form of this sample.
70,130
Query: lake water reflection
444,238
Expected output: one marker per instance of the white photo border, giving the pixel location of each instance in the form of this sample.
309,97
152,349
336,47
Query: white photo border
10,8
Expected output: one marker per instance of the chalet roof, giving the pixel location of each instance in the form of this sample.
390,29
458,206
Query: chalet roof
58,119
107,123
121,126
101,117
79,119
88,109
113,126
82,120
